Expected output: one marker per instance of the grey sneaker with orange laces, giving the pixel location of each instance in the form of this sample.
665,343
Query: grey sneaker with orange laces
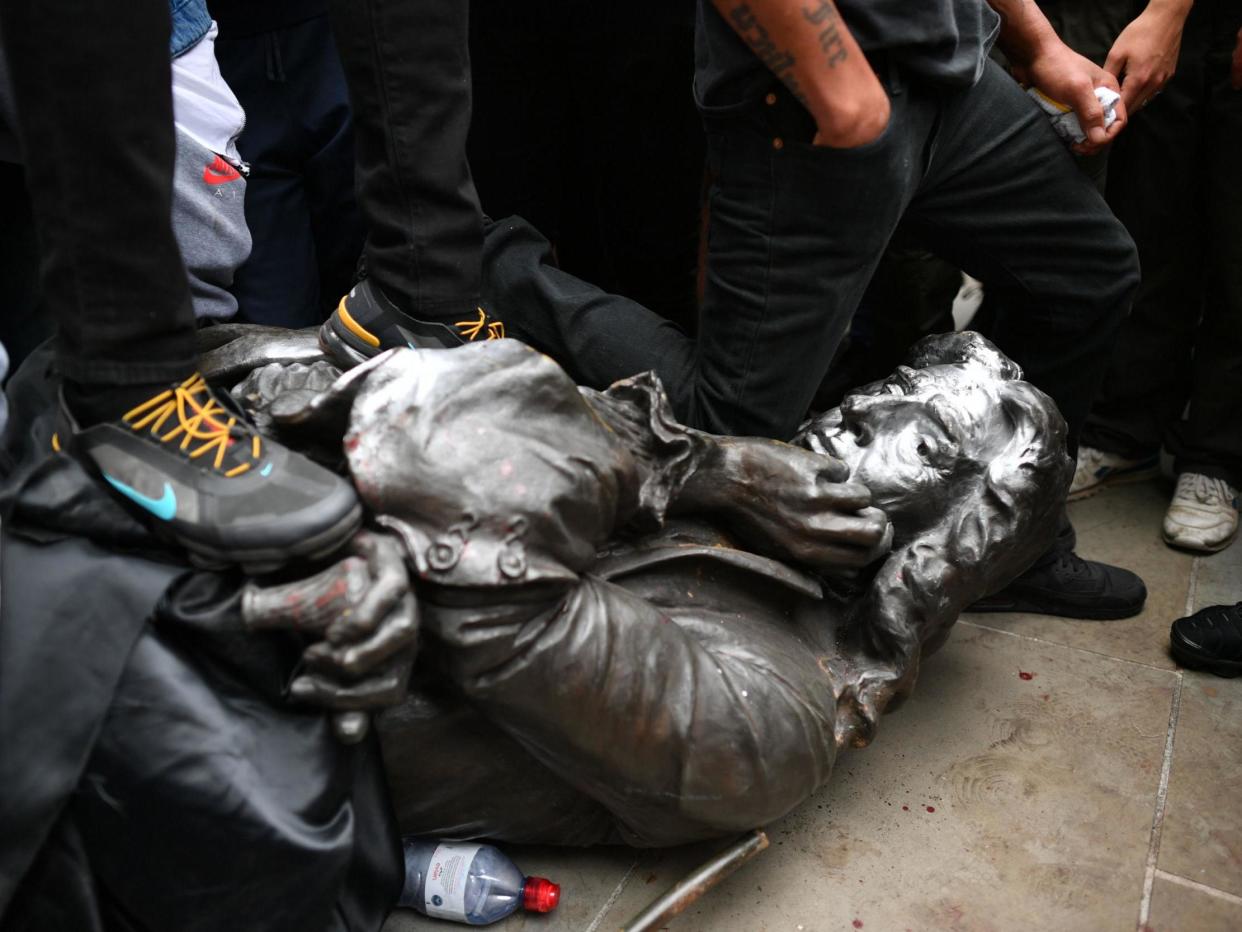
197,471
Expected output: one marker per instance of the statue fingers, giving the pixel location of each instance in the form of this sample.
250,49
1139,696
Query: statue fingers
844,496
398,633
306,605
385,688
865,529
388,586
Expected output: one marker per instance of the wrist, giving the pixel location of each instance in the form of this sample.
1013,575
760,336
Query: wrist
858,115
1026,40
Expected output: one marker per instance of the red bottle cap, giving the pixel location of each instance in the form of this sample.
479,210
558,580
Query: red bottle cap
540,895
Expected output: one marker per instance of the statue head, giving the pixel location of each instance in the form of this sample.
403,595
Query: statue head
969,464
957,430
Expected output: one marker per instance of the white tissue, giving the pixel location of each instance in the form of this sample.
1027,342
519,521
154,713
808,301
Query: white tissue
1065,121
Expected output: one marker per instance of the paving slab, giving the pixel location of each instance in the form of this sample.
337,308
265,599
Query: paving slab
1202,835
1218,578
588,878
1120,526
1178,908
991,801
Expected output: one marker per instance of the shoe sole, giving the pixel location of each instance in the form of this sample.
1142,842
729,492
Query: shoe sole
342,346
262,560
1190,548
1022,606
1194,661
1127,478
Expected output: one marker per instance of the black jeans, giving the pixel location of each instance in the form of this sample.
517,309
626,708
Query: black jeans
299,141
796,232
93,90
1184,340
408,68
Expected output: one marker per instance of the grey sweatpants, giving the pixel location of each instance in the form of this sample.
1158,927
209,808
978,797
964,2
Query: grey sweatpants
209,222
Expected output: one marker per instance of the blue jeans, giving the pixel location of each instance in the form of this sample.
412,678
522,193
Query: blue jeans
190,22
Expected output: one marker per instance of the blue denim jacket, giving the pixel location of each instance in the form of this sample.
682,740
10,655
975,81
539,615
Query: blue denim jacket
190,22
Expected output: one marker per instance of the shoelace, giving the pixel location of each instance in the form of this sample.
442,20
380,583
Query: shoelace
1069,560
1205,489
198,418
472,329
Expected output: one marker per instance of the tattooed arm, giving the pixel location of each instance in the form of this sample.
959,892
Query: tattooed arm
1042,59
807,45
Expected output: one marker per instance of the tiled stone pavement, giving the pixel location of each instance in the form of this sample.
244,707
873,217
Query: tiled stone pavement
1101,793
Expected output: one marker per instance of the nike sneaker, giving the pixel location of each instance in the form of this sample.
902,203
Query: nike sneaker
366,324
191,464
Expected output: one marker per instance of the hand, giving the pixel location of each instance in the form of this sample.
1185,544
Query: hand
365,620
1068,77
1144,56
790,502
860,121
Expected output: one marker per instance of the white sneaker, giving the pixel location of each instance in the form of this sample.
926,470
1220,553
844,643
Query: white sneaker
1098,469
1203,514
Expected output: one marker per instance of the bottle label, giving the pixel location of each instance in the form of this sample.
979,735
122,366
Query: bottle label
445,890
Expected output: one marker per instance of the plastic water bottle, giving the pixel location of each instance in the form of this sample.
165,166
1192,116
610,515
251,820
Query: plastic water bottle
471,883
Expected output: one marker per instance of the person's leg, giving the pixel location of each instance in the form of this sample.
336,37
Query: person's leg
1148,375
277,284
795,233
321,94
1003,200
596,337
1210,441
96,120
1207,443
408,70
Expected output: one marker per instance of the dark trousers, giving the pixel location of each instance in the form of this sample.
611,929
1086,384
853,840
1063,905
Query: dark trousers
408,69
300,205
796,232
1184,340
585,124
92,85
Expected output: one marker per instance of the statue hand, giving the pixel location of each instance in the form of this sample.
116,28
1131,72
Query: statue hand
791,503
363,617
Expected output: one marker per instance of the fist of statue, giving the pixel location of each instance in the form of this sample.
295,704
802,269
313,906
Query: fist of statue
792,503
363,620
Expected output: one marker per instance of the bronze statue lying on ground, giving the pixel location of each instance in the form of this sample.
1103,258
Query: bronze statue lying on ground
632,631
627,631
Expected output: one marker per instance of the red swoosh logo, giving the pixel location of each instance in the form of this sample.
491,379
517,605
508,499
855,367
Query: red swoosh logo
220,172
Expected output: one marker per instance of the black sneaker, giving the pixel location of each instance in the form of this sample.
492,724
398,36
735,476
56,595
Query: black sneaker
366,324
1210,639
1071,587
204,478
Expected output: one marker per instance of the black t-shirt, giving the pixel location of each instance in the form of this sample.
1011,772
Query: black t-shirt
946,41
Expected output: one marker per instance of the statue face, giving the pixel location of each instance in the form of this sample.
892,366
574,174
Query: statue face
914,440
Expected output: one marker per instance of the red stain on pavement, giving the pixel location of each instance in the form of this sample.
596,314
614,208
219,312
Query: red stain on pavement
931,808
857,923
1023,675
